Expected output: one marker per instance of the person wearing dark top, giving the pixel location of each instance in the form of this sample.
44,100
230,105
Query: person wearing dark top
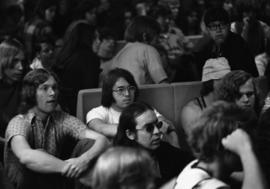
11,72
223,43
139,128
76,65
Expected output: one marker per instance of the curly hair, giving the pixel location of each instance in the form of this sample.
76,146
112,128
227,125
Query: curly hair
228,89
218,121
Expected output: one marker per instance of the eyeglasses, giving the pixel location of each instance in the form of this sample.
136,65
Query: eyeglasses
122,90
248,94
150,127
215,27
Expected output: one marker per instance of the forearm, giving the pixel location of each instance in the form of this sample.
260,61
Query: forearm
253,175
101,143
109,130
42,162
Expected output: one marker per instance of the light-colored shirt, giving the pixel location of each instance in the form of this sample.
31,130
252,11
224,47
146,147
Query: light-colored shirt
142,60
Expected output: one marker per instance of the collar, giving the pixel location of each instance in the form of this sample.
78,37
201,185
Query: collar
32,117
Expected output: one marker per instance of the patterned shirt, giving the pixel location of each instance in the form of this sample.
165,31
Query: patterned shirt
49,136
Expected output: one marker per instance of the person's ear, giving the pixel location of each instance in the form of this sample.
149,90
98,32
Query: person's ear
130,135
145,38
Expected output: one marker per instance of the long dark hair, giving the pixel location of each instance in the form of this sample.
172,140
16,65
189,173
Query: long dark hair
109,81
80,36
127,121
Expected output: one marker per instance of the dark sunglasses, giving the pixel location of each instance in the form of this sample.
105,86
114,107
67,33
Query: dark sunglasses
150,127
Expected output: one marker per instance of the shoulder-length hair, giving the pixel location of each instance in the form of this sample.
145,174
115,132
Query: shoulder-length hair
142,29
9,48
228,89
109,81
127,122
216,122
123,167
30,84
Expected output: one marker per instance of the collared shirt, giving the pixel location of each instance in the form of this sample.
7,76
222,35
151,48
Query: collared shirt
49,136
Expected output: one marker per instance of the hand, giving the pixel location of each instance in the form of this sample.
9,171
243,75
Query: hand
237,142
74,167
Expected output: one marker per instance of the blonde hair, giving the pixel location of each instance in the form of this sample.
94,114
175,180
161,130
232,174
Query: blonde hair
9,48
122,168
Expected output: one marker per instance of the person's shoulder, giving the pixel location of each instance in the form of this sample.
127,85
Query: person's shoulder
191,107
100,109
18,118
142,46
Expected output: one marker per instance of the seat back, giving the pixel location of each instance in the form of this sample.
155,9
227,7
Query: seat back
168,99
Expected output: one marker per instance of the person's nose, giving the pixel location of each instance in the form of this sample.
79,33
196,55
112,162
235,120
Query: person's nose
156,130
127,92
245,98
51,91
19,66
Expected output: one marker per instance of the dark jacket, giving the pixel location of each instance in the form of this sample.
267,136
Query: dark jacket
234,49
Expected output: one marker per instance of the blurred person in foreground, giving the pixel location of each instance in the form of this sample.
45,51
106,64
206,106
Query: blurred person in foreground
221,142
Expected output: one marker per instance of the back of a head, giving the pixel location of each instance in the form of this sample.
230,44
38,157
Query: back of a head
218,121
142,29
122,167
79,36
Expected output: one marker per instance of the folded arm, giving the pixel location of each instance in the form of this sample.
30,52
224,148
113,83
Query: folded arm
34,159
102,127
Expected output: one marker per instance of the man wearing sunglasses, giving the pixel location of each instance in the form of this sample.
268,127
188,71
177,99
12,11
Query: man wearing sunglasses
139,128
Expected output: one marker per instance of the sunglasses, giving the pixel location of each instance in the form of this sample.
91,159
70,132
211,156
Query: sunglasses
150,127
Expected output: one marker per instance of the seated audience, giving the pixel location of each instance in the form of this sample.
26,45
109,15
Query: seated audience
36,138
40,26
223,43
139,56
123,167
213,71
238,87
222,145
139,127
118,91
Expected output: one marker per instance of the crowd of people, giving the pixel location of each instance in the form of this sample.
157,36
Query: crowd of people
51,49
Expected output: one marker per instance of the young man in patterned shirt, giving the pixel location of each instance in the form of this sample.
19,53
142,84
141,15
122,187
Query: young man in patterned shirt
36,138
